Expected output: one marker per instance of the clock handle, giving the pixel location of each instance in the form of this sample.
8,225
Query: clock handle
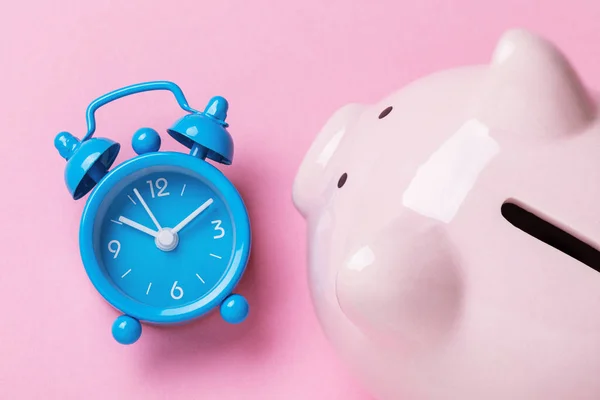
127,91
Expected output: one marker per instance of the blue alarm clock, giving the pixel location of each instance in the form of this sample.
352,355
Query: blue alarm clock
165,236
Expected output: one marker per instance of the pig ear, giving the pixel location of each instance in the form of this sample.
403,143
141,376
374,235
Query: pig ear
309,182
532,87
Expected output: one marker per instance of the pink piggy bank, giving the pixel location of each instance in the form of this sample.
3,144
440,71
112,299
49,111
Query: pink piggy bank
452,231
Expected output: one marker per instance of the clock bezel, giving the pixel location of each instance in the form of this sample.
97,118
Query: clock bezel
233,272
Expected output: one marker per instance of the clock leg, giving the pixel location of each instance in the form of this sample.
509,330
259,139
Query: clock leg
126,330
235,309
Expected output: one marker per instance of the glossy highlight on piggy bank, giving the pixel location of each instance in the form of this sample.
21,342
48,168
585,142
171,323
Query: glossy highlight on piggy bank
452,231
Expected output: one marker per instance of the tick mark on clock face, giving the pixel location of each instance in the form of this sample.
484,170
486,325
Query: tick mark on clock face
215,256
149,286
199,277
183,189
131,198
116,222
126,273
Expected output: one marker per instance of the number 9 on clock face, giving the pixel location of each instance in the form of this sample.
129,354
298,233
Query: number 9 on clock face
168,241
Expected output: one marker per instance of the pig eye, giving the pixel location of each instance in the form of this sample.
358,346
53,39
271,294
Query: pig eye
385,112
342,180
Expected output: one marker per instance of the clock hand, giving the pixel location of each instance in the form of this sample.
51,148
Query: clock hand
139,196
137,226
193,215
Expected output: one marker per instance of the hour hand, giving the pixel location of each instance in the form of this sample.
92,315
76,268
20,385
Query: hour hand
137,226
193,215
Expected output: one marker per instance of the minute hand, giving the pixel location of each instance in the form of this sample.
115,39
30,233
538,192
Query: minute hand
193,215
152,217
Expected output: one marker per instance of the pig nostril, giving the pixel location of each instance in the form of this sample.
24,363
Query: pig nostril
385,112
342,180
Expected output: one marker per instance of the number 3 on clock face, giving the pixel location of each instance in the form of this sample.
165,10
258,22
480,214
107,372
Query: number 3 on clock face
168,241
221,231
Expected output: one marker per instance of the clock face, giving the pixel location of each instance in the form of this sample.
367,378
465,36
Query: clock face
165,238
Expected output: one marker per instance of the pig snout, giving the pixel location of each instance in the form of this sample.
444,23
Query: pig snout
402,286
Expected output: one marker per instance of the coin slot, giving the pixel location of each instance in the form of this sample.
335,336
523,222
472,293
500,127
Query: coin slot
551,234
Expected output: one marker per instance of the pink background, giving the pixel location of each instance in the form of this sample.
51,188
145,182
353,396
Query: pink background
284,66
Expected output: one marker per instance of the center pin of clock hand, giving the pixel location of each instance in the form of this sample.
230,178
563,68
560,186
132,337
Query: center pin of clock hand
193,215
139,196
137,226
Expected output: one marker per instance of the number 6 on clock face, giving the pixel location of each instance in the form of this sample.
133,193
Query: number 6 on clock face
178,290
